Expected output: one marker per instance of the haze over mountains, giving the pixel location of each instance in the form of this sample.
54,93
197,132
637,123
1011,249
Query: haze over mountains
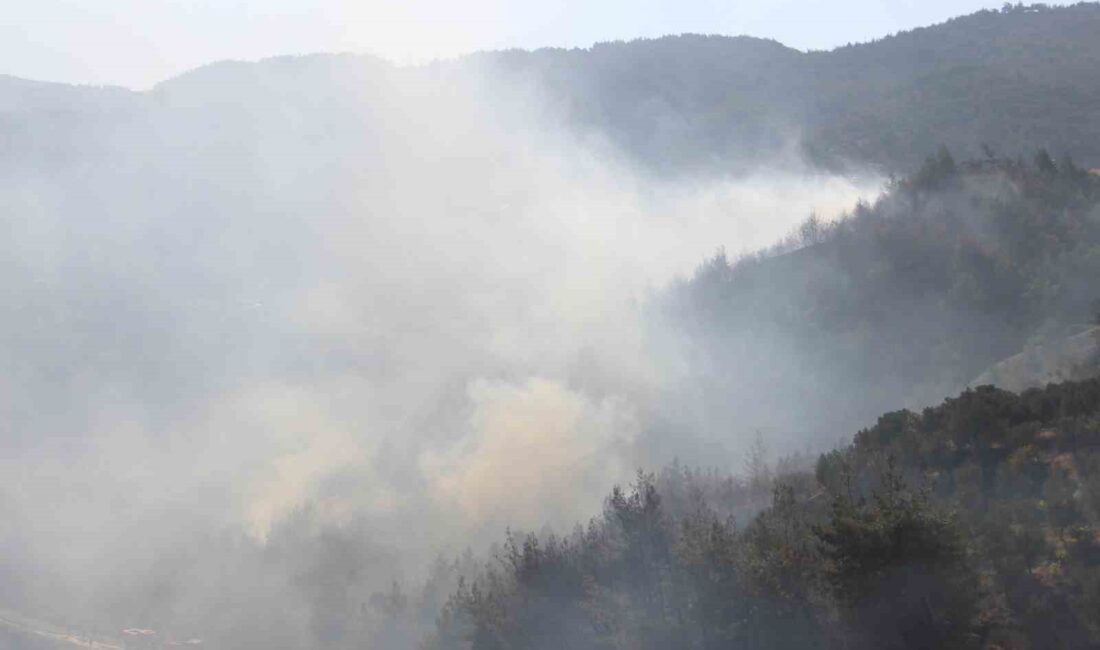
277,334
1016,79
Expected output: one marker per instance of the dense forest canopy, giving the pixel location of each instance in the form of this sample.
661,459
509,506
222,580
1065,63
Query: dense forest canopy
972,524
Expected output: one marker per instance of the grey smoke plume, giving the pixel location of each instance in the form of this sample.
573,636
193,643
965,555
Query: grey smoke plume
346,315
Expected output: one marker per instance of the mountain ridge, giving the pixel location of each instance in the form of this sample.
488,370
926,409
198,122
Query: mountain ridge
1021,78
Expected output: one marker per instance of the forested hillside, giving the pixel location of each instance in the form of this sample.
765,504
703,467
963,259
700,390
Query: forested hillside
902,302
1016,79
973,524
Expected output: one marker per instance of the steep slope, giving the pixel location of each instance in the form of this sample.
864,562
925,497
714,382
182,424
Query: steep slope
905,301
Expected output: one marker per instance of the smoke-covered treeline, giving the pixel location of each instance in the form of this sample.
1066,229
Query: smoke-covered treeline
903,302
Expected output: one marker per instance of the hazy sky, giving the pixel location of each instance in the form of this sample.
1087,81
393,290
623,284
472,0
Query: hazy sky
137,43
